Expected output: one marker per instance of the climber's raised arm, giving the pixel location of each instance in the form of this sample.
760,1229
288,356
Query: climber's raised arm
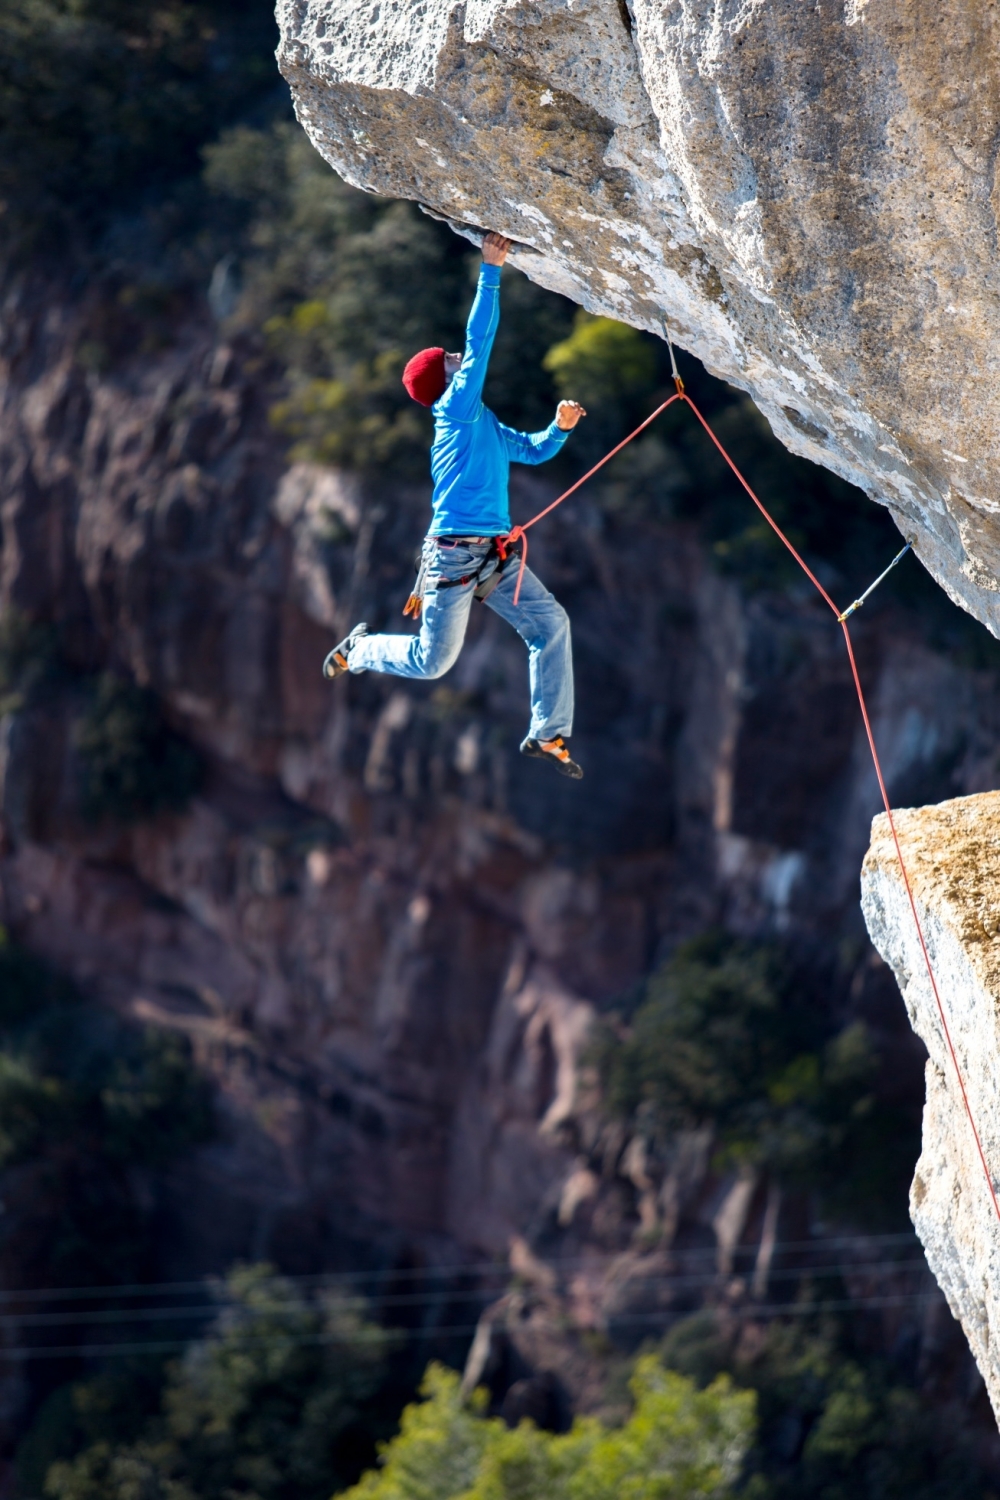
468,372
536,447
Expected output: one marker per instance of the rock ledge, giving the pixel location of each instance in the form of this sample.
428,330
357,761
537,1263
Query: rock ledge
952,854
808,192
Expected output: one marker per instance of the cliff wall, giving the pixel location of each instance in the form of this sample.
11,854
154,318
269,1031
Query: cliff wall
383,930
806,194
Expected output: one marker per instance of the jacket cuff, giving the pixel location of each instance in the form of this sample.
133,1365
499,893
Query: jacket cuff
489,275
562,433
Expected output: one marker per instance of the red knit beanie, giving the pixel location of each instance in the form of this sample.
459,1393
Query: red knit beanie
424,376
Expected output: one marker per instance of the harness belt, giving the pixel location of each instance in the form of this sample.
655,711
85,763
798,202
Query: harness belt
502,552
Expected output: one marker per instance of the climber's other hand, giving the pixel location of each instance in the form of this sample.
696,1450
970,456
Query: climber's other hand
568,413
495,248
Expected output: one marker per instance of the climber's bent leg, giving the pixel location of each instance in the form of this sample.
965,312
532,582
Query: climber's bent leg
543,625
443,623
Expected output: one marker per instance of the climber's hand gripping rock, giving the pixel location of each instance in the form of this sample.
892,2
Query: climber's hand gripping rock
496,248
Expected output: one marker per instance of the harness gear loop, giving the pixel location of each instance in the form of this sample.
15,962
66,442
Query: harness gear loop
415,602
872,587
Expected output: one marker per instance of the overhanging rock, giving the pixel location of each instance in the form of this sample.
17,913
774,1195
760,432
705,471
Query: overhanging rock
952,855
807,191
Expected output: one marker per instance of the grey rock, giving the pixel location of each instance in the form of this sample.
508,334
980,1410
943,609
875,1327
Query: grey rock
806,193
952,856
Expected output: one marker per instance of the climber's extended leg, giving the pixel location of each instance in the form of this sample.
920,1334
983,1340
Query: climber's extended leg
443,622
543,625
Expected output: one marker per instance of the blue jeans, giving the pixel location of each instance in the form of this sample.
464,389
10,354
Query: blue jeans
539,620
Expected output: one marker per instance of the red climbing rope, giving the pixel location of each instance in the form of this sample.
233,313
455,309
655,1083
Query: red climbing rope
520,532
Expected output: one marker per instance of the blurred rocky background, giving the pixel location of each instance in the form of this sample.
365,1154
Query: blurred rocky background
335,1037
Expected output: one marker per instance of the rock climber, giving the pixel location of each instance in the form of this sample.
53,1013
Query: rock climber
464,552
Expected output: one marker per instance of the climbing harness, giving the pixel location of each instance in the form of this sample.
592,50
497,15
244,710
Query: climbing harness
502,552
519,533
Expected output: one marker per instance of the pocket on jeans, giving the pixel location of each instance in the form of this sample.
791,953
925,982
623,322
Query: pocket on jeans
455,562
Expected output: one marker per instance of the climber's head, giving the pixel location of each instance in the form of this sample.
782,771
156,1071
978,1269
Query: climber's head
424,376
428,373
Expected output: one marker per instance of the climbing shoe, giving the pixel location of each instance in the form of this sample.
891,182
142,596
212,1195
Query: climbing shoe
557,752
336,662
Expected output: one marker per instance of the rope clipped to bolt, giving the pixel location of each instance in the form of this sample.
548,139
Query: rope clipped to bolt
519,533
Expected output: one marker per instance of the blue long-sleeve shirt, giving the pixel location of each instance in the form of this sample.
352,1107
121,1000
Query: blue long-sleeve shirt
472,451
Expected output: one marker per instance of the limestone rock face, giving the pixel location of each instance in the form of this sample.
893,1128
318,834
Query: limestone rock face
806,192
952,854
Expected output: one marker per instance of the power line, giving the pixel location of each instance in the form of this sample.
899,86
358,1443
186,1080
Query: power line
222,1302
480,1268
361,1336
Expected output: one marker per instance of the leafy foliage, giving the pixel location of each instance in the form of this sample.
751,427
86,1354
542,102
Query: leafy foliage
730,1034
602,361
276,1402
834,1421
28,658
110,1407
85,1101
103,101
678,1442
345,288
133,765
90,1110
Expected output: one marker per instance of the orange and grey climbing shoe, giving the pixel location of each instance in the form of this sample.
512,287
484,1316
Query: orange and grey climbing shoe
336,663
556,751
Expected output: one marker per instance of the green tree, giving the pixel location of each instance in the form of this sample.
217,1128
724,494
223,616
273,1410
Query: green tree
835,1421
617,372
345,287
28,659
102,101
133,765
679,1443
728,1033
85,1102
602,361
277,1401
